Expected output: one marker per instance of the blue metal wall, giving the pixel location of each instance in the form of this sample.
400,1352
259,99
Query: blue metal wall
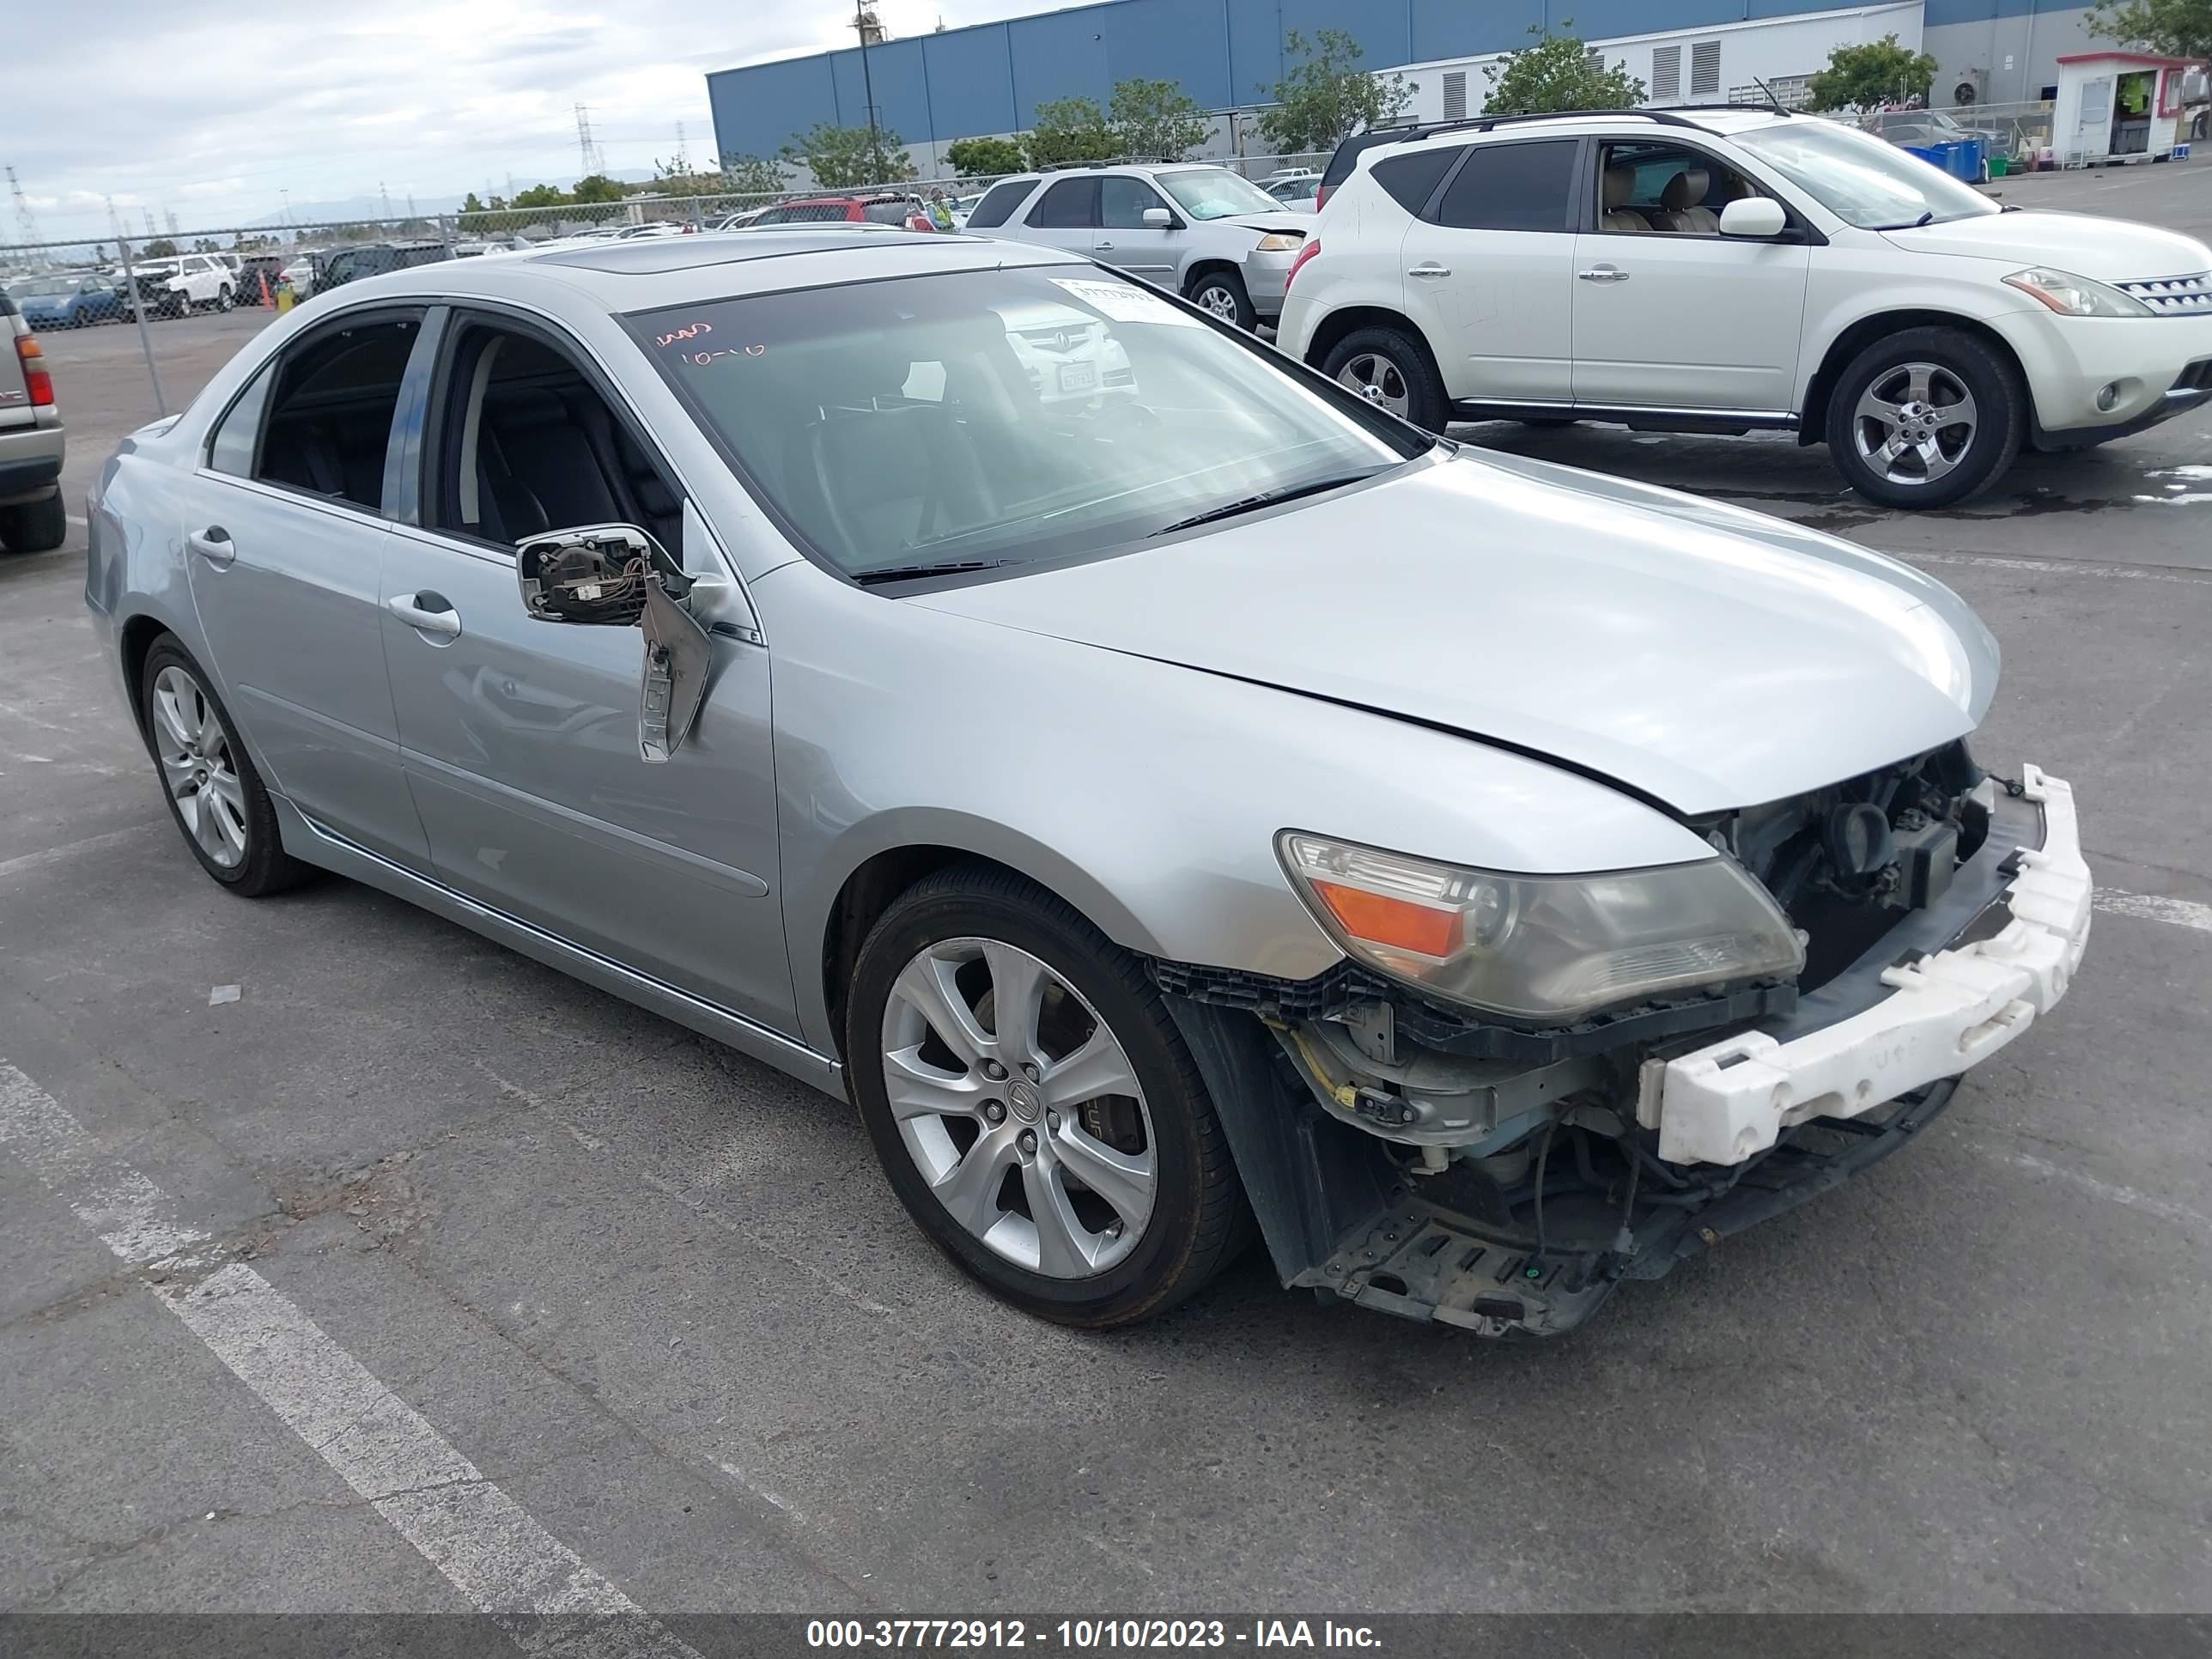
990,78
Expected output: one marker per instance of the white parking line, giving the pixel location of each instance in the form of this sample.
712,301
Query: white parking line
2136,573
46,855
2149,907
2179,1214
488,1547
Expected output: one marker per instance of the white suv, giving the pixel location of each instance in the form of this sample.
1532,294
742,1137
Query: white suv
1203,231
1726,269
190,281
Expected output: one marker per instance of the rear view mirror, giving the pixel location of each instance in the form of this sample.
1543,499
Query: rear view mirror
1158,218
1753,216
614,575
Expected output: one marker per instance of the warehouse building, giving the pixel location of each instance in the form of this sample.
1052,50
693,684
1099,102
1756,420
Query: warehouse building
989,79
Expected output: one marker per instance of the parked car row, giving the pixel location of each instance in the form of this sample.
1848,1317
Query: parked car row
1480,915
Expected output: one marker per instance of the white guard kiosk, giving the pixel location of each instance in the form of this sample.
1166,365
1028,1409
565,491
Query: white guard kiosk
2117,107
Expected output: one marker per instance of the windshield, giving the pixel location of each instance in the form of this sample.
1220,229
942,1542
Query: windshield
1861,179
1001,416
1216,192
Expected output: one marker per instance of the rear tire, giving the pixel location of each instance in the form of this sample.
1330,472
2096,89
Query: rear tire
1222,293
1398,366
1926,418
34,526
215,794
1126,1163
224,298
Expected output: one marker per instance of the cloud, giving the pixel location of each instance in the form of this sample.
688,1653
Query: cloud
216,122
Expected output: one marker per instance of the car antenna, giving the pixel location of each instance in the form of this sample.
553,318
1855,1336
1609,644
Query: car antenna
1771,98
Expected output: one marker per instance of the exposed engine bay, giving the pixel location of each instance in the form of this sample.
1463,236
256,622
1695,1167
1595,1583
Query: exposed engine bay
1511,1175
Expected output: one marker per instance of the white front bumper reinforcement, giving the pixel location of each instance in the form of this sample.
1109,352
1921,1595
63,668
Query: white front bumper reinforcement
1731,1100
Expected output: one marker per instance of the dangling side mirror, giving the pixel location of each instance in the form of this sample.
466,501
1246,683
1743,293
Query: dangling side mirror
614,575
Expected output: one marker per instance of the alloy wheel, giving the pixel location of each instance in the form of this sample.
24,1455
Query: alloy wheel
1218,298
1378,380
198,766
1019,1107
1914,424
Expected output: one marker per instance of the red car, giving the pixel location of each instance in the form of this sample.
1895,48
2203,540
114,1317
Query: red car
879,208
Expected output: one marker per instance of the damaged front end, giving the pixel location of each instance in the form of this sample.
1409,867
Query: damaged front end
1414,1153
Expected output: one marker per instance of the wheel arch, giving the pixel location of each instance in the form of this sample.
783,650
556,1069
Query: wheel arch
1200,269
1346,320
878,867
1855,337
135,639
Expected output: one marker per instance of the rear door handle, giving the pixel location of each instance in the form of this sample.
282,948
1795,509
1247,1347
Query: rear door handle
1430,268
214,545
431,612
1603,274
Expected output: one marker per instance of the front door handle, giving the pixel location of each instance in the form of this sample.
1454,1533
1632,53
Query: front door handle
1603,274
214,545
1102,248
1428,268
431,612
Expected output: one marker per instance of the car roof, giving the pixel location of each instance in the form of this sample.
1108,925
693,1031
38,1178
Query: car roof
647,273
1720,120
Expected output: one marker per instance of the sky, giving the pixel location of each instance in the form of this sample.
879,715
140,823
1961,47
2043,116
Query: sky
214,113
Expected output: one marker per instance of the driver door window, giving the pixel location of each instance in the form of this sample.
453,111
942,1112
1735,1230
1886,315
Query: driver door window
1125,240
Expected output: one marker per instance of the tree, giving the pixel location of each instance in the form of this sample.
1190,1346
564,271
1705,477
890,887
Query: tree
1157,120
1869,77
469,204
596,187
843,157
1329,97
985,158
752,175
160,248
542,196
2177,28
1557,73
1070,130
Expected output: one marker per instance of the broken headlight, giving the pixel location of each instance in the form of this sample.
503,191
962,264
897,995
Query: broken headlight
1554,948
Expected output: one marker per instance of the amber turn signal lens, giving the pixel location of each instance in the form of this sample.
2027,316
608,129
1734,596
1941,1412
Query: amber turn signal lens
1381,920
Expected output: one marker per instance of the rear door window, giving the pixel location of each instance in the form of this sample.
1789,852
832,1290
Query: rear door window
999,203
1524,186
330,412
887,213
1070,205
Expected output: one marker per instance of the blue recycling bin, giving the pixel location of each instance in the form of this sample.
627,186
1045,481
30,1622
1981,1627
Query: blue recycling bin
1963,158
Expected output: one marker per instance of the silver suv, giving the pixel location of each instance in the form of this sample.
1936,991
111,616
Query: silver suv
1212,235
32,517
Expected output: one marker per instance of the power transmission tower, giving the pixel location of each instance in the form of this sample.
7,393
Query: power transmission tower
593,158
24,222
682,163
148,214
871,31
169,218
386,195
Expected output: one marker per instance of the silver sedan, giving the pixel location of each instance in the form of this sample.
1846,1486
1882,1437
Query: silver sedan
1170,797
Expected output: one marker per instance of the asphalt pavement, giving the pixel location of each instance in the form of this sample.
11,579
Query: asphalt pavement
528,1287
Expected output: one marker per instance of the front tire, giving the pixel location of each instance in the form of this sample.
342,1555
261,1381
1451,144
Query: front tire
1223,294
1034,1106
34,526
215,794
1391,369
224,298
1926,418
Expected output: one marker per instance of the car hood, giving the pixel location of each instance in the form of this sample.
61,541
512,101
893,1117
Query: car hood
2110,250
1278,219
1702,656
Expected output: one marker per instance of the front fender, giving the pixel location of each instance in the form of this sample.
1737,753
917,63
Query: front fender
1146,794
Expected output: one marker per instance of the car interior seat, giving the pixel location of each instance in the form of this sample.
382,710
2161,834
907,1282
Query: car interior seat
1681,204
1620,185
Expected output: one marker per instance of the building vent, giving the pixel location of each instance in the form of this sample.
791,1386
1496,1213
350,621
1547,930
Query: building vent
1704,68
1455,95
1666,74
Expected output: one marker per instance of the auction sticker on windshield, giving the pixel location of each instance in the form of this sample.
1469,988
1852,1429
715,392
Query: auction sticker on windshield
1124,302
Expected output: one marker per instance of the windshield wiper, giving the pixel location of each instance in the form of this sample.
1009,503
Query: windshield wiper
907,572
1254,503
1926,218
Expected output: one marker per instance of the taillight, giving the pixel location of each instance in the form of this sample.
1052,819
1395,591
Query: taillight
1312,247
36,381
1320,197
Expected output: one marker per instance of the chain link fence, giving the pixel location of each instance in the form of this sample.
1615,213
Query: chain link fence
187,299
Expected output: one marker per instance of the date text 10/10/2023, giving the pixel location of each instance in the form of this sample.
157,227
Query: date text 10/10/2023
1088,1635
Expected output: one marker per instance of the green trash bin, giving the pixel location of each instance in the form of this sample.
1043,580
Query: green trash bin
1999,166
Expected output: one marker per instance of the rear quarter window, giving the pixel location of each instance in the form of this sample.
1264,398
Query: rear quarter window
1411,179
1521,187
